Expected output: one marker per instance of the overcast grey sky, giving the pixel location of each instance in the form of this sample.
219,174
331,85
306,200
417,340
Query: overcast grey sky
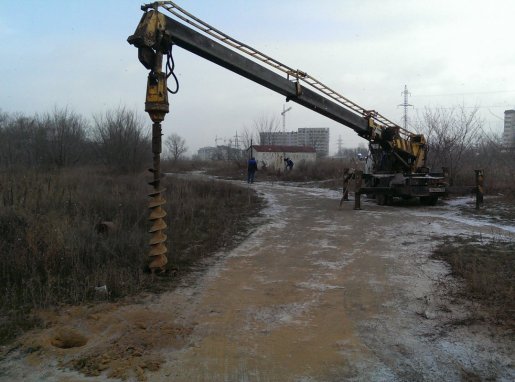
452,52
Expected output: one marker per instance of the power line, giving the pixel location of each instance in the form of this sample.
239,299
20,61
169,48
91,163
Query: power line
468,107
406,93
465,93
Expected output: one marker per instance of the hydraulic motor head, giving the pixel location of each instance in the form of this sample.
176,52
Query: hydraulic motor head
156,104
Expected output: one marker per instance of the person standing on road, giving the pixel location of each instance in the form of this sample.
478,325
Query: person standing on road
251,170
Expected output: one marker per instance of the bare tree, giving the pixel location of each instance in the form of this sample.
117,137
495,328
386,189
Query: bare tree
248,137
53,139
450,133
176,146
66,134
22,141
265,126
122,141
4,117
491,155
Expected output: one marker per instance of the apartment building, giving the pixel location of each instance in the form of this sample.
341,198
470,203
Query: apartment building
317,137
509,129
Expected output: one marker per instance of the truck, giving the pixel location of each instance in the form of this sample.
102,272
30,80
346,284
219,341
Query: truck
396,164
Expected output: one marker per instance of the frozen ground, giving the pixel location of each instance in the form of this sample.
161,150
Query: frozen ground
315,293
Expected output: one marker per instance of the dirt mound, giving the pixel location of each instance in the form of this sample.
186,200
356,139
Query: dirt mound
113,340
131,346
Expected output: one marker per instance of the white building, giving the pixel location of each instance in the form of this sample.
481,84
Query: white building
272,157
509,129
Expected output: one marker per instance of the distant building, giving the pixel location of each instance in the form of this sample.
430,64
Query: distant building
509,129
279,138
220,153
317,137
206,153
272,156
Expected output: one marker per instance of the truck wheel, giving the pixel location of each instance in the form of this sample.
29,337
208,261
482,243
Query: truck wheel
429,200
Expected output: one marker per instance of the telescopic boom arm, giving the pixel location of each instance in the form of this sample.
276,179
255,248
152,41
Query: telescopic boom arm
157,32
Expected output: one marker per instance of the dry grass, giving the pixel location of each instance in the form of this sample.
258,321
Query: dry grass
328,171
197,210
182,165
227,169
51,253
488,272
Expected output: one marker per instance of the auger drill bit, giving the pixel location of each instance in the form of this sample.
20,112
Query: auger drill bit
156,106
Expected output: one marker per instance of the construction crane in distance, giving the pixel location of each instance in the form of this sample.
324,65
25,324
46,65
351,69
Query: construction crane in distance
284,116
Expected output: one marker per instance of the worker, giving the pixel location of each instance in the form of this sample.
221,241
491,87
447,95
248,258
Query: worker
289,163
251,170
348,174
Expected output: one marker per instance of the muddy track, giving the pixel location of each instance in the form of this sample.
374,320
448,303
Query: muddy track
316,293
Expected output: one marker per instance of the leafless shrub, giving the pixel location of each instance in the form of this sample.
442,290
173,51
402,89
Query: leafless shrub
497,162
3,118
328,171
51,252
450,134
66,136
53,139
122,140
248,137
265,126
22,141
227,169
176,146
196,223
185,165
457,140
324,169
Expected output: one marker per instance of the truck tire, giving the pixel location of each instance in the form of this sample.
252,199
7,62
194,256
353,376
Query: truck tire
429,200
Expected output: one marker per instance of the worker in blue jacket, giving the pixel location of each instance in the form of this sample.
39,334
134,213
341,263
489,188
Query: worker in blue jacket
251,168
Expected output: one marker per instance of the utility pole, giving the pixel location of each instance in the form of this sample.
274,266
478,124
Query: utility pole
236,142
284,116
405,93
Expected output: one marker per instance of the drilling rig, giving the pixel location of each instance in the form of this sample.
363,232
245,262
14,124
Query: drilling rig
156,105
396,166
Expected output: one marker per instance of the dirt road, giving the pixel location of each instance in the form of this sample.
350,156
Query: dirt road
315,293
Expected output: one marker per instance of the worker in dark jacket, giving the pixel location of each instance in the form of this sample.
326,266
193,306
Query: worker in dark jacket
251,168
288,163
